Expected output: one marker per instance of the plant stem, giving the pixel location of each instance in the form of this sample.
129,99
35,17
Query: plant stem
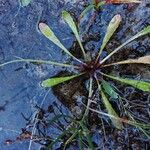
139,34
38,61
89,100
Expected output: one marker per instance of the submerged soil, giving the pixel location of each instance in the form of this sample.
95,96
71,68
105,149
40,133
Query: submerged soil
22,98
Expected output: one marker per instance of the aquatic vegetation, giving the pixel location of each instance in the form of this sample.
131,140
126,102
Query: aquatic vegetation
95,70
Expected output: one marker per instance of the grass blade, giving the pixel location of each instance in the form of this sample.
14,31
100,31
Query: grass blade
109,90
46,31
69,20
80,140
145,31
57,80
141,60
87,136
112,27
56,118
142,85
111,111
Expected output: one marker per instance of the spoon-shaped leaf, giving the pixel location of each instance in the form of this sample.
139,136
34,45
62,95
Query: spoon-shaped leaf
45,29
112,27
142,85
141,33
25,2
111,111
57,80
141,60
109,90
69,20
123,1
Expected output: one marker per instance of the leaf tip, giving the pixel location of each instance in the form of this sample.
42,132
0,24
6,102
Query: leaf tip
117,18
43,84
64,13
42,26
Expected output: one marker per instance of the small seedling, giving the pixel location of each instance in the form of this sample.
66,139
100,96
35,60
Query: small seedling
93,68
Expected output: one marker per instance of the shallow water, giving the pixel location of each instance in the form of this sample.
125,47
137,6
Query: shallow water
20,90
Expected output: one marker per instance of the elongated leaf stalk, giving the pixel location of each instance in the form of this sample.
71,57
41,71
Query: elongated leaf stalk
69,20
38,61
47,32
141,33
112,27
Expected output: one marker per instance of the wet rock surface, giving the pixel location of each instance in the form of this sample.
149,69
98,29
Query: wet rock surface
20,89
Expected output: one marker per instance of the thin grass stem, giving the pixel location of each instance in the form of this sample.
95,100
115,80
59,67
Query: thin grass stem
38,61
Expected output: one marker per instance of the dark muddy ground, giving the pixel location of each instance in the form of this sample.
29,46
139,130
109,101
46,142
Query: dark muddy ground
21,95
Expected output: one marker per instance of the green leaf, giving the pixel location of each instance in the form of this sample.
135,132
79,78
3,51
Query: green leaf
116,122
145,31
25,2
142,85
112,27
57,80
100,4
37,61
142,125
109,90
69,20
80,140
45,29
84,12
